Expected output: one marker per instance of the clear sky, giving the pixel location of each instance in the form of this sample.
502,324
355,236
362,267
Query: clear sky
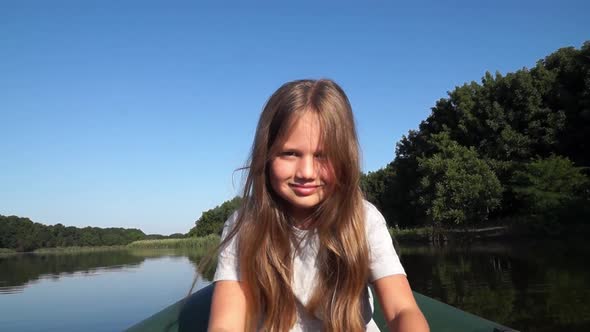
136,113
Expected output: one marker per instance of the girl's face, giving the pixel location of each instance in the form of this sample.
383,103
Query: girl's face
300,173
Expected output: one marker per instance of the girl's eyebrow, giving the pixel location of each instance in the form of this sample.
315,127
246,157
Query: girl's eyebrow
288,147
296,149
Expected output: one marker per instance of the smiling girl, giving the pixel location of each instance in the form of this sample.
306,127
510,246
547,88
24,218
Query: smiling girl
301,251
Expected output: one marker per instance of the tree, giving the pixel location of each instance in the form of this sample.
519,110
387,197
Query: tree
571,93
507,120
211,221
456,187
548,185
22,234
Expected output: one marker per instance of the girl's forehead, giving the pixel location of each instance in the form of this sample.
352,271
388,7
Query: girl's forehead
304,129
309,122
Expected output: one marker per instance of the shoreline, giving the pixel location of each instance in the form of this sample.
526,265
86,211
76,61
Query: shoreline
497,232
198,243
419,235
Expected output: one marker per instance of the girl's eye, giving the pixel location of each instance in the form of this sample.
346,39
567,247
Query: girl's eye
320,156
288,154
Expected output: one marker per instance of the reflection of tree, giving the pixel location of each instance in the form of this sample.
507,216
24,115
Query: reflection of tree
196,258
479,283
568,301
530,287
470,280
18,270
494,304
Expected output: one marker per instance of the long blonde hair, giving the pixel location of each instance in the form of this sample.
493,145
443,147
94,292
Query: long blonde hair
264,227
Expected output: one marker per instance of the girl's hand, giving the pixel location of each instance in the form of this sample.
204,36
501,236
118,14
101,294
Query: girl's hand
399,306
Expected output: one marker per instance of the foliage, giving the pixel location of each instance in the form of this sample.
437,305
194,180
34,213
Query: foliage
78,249
205,242
504,122
456,187
378,188
211,221
22,234
4,251
548,184
155,237
176,236
373,185
411,235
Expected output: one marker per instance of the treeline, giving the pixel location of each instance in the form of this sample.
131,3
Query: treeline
513,147
22,234
211,221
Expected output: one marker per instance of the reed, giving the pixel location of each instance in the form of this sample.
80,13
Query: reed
6,251
193,243
77,249
421,234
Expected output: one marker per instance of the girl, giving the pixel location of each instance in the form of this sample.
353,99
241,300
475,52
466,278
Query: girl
299,253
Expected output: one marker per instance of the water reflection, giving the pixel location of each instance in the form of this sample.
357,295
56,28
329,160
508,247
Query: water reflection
107,291
16,271
531,287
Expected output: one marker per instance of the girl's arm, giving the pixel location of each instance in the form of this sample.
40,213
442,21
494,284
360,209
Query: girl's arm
228,307
399,306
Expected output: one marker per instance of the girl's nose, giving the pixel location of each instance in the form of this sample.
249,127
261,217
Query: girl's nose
306,168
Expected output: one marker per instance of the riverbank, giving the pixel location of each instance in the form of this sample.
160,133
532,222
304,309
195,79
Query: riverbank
77,249
422,235
192,243
519,230
432,235
4,251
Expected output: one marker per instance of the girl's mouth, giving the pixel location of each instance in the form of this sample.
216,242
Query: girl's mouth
304,190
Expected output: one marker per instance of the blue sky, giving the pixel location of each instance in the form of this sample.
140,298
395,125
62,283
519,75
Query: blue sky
136,113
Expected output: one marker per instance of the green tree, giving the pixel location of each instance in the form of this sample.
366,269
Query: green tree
570,93
377,187
211,221
22,234
457,188
548,185
508,120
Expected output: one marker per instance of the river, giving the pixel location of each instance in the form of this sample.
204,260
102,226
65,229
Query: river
528,286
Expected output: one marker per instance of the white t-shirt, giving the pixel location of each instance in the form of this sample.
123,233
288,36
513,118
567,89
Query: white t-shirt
382,257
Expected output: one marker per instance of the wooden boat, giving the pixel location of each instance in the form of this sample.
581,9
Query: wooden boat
192,314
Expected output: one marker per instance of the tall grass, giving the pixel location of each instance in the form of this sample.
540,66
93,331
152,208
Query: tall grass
195,247
193,243
77,249
421,234
6,251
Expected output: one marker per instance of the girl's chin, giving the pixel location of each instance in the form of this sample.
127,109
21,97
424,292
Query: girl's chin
303,209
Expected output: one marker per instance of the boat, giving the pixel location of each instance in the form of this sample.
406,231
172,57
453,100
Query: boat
192,314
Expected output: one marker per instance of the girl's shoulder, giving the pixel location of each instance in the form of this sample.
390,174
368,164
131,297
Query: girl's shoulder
233,218
229,223
372,214
375,223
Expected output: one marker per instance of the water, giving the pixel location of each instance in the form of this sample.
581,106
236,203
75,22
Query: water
532,287
107,291
529,286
